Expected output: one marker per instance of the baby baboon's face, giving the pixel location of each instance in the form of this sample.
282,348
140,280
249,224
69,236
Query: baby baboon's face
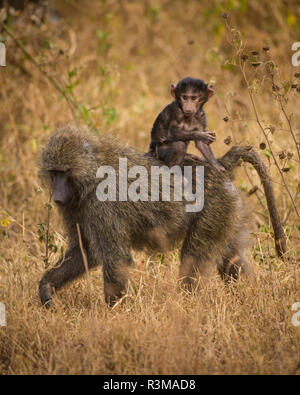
191,94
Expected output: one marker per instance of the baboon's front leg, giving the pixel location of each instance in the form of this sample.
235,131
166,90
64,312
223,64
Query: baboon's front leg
66,269
115,279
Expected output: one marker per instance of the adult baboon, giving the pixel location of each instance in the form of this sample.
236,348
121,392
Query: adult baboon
109,229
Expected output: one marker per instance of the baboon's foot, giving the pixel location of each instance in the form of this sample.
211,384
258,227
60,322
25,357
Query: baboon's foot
234,267
187,273
46,293
188,284
113,293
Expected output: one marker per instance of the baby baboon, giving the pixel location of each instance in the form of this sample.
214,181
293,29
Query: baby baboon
180,122
109,229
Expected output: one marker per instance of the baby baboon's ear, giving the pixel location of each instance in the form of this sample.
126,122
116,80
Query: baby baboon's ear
172,90
210,90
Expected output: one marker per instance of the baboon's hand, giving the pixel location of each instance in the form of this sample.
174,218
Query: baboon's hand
46,293
206,138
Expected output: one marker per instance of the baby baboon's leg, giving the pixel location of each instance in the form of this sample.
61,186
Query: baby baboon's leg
115,274
232,265
66,269
172,153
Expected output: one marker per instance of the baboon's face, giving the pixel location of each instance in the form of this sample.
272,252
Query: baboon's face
68,166
191,95
62,187
190,102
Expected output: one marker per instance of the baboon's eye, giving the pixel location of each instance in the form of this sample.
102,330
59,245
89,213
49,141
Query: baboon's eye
54,173
194,98
184,97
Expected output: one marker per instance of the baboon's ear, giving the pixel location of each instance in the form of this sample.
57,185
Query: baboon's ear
85,144
172,90
210,90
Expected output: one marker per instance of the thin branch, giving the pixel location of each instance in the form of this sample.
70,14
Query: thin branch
72,103
284,221
238,47
269,145
290,126
46,260
85,261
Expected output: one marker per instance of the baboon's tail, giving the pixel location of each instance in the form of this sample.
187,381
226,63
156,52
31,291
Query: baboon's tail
231,159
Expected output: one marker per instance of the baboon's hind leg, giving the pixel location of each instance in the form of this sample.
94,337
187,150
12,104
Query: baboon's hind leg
232,265
197,257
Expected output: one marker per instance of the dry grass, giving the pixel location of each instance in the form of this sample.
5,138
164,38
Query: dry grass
157,329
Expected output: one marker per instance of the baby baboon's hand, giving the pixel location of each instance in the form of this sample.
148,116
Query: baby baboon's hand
206,137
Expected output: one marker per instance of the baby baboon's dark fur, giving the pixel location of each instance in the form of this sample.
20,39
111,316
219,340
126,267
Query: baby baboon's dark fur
109,230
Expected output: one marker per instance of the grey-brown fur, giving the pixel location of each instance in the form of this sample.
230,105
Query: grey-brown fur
182,121
109,230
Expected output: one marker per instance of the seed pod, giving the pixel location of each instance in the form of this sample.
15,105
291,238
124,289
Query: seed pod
275,88
253,190
294,86
282,155
272,129
285,169
297,75
262,146
266,49
228,140
226,119
256,64
244,57
290,155
254,53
